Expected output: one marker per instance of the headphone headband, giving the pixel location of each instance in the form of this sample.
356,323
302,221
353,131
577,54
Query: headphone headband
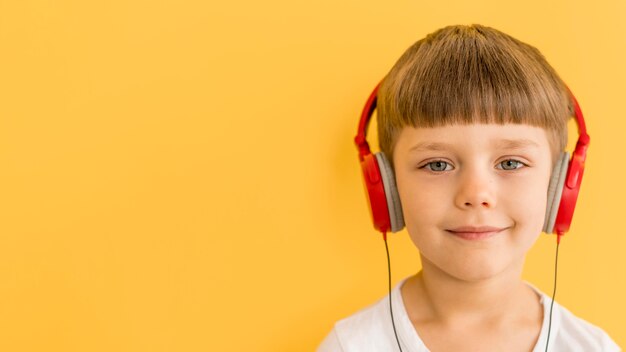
366,115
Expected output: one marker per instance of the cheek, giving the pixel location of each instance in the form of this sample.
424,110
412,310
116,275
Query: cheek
422,204
527,205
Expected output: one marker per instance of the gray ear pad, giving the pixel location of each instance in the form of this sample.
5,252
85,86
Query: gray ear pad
391,192
555,190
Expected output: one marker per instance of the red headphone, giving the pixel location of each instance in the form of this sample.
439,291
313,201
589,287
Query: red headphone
386,209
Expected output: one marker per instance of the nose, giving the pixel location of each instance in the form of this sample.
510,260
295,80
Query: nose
476,189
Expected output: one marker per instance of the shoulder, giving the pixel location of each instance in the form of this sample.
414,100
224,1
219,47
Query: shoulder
367,330
576,334
569,332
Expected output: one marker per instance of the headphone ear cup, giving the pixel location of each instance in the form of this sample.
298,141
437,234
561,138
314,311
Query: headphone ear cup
555,191
391,192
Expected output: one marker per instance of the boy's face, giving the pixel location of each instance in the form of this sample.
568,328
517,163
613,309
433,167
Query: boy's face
473,175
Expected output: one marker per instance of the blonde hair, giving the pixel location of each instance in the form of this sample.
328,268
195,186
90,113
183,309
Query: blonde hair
472,74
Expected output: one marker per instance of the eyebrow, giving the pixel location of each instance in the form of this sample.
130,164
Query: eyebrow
426,146
499,144
516,144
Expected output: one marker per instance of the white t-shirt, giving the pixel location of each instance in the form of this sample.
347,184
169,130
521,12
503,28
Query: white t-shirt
370,330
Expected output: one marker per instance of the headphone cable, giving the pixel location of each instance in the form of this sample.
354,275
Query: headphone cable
389,276
556,264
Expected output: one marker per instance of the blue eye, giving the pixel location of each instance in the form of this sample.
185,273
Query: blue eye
511,164
437,166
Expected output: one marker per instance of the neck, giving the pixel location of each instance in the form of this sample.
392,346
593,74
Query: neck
443,298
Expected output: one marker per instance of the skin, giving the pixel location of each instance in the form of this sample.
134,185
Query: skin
469,295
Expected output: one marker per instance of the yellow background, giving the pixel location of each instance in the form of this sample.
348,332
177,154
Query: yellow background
181,176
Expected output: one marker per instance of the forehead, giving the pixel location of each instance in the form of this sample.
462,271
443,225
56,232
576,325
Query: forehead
473,136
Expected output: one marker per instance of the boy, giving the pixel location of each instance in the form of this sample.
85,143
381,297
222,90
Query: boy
472,122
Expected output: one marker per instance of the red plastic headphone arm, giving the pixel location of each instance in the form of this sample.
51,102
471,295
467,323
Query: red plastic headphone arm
368,110
362,146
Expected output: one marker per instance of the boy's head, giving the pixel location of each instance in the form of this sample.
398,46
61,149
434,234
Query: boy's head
472,74
473,122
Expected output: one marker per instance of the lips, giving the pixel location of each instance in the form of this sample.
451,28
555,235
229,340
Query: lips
473,233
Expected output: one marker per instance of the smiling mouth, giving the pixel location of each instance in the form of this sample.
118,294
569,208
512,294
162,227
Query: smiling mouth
476,234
